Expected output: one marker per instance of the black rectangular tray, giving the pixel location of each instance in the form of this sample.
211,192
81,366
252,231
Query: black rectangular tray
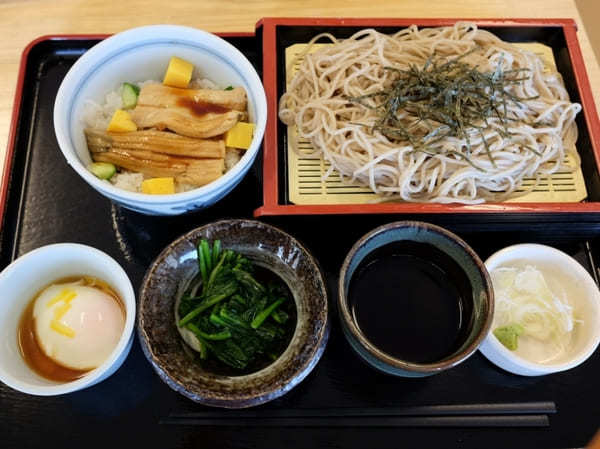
47,202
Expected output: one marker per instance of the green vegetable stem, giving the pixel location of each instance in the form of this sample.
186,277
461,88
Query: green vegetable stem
262,316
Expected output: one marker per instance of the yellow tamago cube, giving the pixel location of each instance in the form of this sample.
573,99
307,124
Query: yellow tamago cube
179,73
121,122
240,136
158,186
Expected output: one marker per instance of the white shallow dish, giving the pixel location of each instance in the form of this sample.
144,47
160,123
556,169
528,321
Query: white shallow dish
27,276
559,267
141,54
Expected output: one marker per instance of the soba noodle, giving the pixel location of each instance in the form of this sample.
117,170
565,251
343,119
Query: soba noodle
541,131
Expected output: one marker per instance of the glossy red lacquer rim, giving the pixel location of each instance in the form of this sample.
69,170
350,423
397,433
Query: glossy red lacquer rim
270,155
16,110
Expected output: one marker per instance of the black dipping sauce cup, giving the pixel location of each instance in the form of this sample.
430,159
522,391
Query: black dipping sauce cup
414,299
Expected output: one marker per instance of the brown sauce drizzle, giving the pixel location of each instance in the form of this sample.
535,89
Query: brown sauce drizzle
200,108
35,358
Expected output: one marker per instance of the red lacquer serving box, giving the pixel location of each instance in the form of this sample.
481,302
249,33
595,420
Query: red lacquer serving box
559,34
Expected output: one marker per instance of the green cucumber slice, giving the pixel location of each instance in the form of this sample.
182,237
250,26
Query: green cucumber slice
129,95
103,170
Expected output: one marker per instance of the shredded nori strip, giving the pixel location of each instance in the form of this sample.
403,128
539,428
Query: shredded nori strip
450,93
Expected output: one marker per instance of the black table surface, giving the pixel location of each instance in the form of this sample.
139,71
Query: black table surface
49,203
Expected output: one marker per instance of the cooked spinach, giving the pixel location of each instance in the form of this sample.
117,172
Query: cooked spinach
239,315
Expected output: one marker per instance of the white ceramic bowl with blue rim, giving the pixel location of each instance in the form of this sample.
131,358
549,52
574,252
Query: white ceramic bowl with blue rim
142,54
584,296
26,277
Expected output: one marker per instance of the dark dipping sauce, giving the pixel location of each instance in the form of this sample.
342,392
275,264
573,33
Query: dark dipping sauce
200,108
412,301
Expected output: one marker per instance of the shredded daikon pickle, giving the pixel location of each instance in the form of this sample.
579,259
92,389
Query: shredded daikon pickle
523,297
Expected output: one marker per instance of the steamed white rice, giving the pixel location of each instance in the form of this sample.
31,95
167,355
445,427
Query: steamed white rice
128,180
97,116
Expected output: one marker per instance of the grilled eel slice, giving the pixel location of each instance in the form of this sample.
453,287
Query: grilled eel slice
185,170
159,95
200,113
99,141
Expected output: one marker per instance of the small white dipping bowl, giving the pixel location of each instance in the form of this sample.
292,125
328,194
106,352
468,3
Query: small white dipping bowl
27,276
142,54
584,296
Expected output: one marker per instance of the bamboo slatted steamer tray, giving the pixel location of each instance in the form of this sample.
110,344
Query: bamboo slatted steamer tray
310,180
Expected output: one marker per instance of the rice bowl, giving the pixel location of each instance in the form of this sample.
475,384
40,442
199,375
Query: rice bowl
123,57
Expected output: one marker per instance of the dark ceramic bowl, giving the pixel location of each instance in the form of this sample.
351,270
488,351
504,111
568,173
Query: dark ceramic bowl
480,318
168,354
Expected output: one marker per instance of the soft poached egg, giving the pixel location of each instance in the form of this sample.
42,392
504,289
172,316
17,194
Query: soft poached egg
77,326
